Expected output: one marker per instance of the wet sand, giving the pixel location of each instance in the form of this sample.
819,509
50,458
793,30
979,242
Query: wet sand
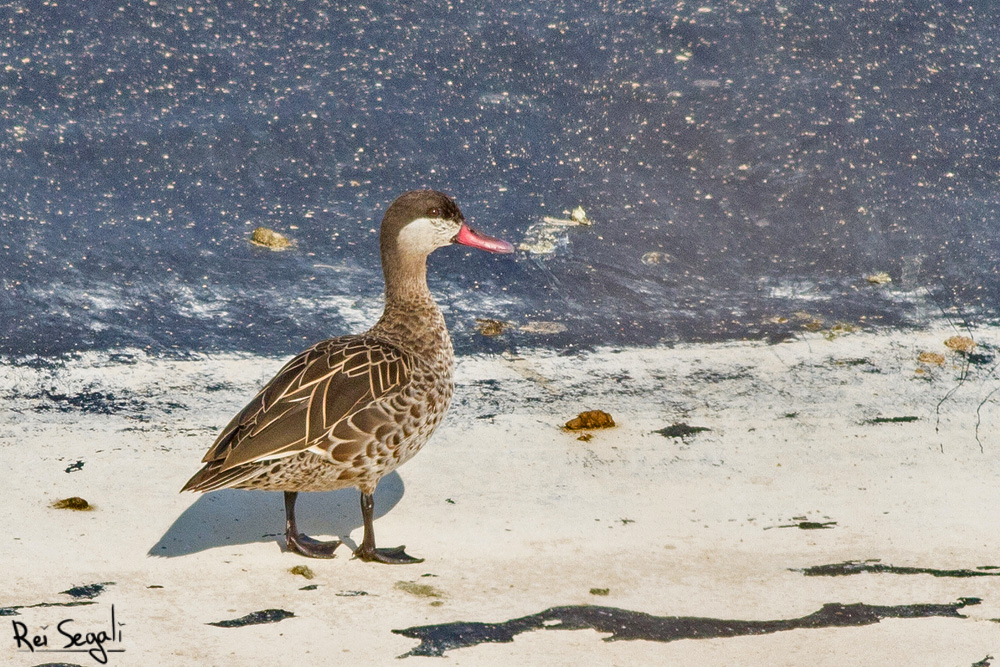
838,447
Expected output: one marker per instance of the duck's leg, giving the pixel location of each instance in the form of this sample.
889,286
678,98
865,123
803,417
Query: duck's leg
299,543
367,550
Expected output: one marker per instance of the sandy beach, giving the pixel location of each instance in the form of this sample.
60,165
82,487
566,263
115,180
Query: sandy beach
734,475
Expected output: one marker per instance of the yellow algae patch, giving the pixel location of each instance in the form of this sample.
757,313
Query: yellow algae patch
269,238
960,344
933,358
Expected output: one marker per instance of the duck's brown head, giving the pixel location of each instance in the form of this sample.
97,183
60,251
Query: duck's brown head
421,221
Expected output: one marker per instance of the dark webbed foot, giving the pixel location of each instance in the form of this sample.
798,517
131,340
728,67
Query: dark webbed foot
367,551
387,555
309,547
300,543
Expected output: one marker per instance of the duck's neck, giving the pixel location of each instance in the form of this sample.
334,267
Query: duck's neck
412,318
405,278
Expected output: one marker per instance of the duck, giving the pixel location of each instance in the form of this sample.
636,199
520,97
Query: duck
349,410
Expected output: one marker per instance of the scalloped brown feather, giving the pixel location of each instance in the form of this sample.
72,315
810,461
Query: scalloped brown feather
322,388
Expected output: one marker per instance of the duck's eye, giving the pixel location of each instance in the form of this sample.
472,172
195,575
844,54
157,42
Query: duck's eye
434,212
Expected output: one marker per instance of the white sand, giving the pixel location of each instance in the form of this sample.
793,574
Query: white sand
514,515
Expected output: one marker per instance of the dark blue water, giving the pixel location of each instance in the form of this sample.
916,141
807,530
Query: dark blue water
771,154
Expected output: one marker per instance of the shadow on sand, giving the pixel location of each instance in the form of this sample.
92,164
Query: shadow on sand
233,516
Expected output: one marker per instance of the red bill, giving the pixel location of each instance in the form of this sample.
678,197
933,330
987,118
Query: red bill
473,239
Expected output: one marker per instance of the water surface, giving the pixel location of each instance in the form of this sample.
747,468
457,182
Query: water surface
746,165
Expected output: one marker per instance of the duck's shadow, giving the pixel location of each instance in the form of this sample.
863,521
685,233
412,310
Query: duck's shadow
232,516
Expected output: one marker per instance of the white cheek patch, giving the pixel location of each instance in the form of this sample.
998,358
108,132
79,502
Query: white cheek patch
425,235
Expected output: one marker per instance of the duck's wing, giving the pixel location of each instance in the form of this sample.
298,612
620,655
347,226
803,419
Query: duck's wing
317,402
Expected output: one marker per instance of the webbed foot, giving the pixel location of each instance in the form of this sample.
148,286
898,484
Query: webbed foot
309,547
387,555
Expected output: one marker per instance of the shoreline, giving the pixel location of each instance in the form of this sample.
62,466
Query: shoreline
818,451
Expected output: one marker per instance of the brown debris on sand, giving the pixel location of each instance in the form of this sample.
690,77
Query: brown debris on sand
589,420
75,503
